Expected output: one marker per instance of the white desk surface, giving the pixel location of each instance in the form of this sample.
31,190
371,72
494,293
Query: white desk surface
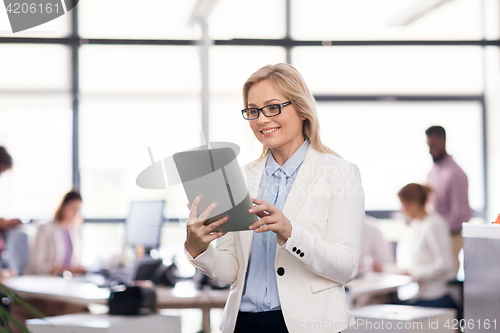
57,289
401,312
491,231
184,295
372,284
89,323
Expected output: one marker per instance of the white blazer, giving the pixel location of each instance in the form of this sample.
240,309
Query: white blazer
49,250
326,208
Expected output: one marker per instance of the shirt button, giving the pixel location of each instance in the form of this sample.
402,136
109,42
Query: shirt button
281,170
280,271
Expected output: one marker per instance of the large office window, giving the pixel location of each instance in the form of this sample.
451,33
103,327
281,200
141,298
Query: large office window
230,67
131,19
130,73
413,70
386,20
36,128
133,97
387,140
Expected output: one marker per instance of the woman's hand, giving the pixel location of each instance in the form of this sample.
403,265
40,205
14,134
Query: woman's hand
273,218
199,235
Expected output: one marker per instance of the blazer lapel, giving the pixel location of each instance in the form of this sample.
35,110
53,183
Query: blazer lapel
309,173
253,176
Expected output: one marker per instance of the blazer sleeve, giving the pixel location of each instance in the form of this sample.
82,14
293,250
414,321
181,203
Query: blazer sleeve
335,256
219,261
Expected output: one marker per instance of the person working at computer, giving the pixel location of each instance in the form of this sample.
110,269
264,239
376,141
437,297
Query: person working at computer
57,243
430,249
287,275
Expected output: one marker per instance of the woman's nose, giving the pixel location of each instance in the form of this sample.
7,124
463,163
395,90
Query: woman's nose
262,119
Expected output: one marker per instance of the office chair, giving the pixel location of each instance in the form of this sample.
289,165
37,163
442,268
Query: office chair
16,245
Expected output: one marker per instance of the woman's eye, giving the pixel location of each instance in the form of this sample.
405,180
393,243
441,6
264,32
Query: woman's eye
273,108
253,112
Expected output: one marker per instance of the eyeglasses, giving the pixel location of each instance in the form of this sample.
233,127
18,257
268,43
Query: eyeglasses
268,111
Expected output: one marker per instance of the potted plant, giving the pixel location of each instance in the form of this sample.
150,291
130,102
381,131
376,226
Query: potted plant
7,297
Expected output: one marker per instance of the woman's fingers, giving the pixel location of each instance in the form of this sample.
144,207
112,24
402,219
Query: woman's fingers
216,235
193,212
262,214
214,225
267,227
262,221
258,201
206,213
262,206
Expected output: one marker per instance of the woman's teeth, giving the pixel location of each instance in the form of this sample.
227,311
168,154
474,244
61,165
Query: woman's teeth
270,131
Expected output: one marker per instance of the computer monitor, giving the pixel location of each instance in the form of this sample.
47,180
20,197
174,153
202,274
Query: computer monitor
143,224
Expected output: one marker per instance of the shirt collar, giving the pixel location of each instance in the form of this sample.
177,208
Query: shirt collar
445,160
291,165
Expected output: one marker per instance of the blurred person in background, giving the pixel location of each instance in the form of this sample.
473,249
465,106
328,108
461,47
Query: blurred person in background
376,252
6,164
5,224
57,243
450,186
432,263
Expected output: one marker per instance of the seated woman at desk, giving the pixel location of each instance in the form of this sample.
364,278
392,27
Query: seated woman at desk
430,249
57,243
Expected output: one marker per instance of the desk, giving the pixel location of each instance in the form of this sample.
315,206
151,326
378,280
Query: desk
49,288
481,285
401,318
89,323
373,284
184,295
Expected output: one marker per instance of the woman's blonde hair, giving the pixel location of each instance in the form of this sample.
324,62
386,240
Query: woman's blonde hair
290,84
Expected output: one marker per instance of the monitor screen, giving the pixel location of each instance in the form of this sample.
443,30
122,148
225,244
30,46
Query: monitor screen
143,224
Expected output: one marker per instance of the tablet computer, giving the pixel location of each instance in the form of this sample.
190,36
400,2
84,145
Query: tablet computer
215,175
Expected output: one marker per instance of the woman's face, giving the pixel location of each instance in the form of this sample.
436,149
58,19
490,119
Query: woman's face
71,209
281,131
410,208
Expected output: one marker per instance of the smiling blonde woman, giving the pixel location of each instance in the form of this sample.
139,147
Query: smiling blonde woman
287,273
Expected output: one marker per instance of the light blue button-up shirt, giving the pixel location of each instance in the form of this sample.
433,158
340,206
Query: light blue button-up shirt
261,290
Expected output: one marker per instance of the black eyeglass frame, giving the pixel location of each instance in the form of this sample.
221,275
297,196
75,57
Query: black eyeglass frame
262,110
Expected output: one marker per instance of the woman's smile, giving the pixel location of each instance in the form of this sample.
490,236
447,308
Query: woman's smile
268,131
